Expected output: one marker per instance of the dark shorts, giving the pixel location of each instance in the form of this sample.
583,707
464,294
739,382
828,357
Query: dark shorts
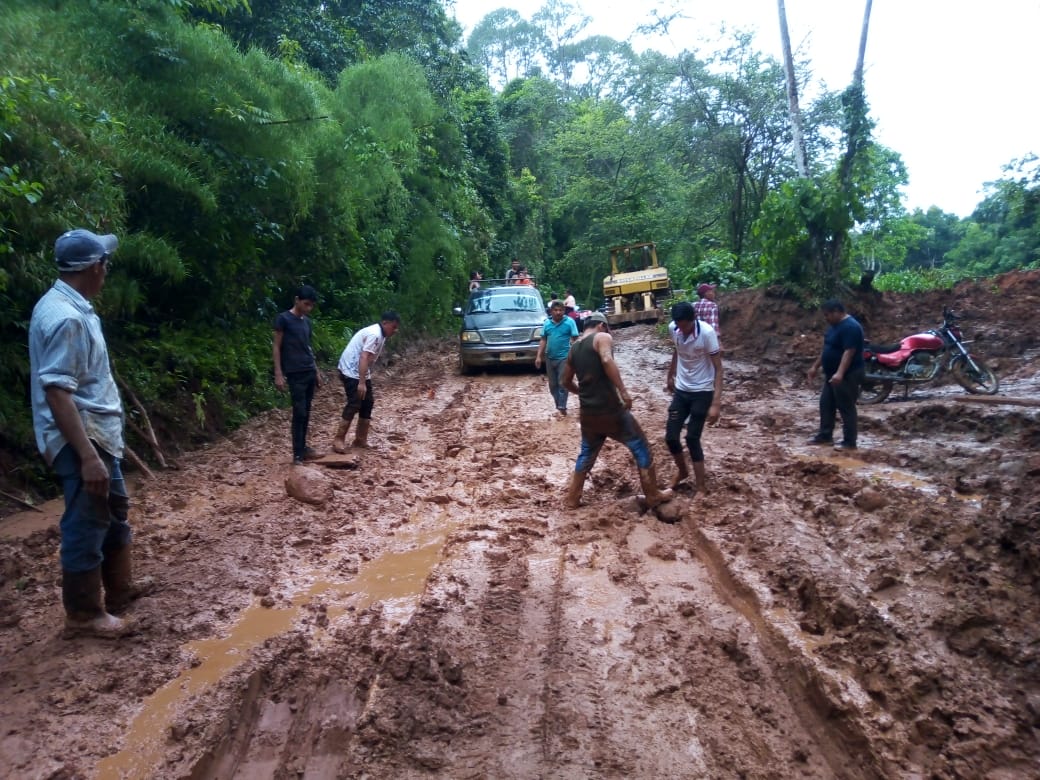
354,405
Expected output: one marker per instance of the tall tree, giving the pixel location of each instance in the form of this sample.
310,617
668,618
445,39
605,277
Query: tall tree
797,133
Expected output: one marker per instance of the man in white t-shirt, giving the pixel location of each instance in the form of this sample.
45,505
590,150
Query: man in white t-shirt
355,371
695,381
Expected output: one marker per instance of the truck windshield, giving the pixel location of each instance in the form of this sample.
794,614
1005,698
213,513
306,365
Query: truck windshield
493,301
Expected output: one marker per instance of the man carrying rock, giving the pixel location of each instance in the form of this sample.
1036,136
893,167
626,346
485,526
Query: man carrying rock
591,373
78,419
355,371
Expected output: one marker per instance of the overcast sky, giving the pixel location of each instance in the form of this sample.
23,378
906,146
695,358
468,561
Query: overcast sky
952,85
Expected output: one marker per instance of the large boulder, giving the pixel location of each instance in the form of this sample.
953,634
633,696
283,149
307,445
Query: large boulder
308,485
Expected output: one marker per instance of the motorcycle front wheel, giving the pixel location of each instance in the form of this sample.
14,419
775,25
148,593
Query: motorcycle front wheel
872,391
980,382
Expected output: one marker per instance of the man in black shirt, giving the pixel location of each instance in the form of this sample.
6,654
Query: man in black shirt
295,367
842,361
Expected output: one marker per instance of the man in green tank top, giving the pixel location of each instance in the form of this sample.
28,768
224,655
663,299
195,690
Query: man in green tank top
592,375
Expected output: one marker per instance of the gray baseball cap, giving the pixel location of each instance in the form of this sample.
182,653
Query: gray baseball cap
78,249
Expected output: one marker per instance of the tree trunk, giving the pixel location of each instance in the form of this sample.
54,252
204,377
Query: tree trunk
797,133
857,76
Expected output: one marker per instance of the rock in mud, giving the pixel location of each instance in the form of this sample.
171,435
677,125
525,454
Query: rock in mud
870,500
669,511
308,485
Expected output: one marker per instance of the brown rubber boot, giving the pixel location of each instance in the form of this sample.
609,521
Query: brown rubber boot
361,435
701,477
84,613
573,498
654,496
120,586
339,440
682,472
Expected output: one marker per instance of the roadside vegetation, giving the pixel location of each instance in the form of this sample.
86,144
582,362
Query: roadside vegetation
239,150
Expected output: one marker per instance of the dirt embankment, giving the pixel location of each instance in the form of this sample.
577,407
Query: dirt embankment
441,616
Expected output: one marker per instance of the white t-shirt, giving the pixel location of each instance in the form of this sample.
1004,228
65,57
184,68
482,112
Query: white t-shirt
569,301
370,340
695,371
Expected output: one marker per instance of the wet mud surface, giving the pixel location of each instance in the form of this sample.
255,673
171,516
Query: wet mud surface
814,615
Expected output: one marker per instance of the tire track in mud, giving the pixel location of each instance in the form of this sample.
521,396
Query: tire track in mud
566,618
806,619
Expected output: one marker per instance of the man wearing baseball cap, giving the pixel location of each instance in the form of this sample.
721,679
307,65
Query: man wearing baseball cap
78,419
605,409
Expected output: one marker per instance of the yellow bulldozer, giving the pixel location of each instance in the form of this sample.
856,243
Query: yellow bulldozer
637,284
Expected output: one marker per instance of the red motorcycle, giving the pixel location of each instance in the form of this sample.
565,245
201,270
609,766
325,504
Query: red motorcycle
921,358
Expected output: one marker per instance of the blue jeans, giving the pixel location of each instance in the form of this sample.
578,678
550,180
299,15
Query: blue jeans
91,524
620,426
554,371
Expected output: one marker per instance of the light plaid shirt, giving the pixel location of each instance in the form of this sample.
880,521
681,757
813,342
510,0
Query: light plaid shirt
707,311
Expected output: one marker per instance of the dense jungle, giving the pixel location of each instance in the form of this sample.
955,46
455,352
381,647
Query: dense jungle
370,149
426,607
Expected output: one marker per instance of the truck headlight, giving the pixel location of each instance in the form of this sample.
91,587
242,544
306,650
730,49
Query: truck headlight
536,334
470,337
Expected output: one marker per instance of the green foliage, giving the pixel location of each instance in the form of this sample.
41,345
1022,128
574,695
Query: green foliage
802,224
717,267
240,149
919,280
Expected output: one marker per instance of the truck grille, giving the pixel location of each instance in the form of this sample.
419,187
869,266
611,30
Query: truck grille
506,335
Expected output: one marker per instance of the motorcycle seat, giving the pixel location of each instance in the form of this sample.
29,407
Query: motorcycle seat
881,349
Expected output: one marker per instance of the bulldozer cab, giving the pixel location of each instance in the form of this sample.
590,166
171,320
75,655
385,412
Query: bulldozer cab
636,286
632,257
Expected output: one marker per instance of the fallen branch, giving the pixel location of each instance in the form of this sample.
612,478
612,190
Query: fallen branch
21,501
148,434
134,458
997,399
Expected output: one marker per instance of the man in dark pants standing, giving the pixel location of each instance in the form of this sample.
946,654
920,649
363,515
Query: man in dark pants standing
295,367
78,419
842,361
695,382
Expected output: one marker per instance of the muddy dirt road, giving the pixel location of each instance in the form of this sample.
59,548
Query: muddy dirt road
813,616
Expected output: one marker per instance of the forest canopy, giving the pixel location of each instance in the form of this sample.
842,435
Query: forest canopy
240,149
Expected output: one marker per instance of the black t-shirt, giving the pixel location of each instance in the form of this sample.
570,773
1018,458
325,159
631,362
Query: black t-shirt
296,343
847,334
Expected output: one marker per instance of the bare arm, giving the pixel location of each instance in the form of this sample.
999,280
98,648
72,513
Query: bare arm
279,378
66,417
814,368
670,384
715,410
846,360
604,345
363,364
541,352
568,377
